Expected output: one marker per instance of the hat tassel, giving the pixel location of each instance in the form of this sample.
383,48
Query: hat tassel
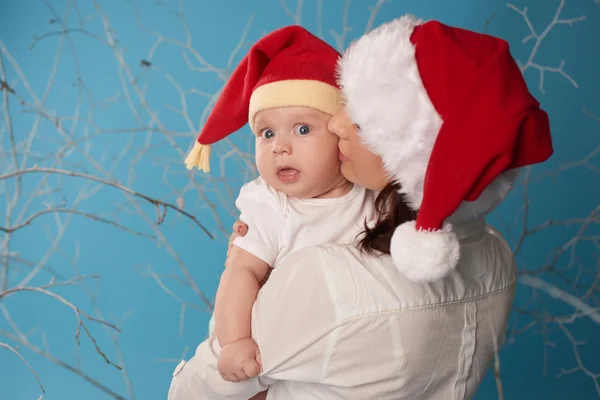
199,157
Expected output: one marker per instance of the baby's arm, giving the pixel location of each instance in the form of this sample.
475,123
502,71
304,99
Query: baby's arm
236,294
248,263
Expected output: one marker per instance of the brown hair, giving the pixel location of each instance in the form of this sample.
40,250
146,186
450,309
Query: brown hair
391,211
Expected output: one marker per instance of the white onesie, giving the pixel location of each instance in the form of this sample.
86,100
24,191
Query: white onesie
278,225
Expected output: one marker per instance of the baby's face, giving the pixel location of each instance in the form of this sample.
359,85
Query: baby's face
295,153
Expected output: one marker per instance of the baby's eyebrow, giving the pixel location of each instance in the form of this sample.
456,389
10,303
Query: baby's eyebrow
259,125
305,117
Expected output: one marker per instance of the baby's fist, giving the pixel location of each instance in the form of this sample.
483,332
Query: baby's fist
239,360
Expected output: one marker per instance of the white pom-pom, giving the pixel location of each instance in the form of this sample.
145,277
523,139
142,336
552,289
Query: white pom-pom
424,256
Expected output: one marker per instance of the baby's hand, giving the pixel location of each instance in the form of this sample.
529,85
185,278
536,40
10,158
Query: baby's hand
239,360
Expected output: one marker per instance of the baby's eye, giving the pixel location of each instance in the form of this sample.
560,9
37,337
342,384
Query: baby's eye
301,130
267,134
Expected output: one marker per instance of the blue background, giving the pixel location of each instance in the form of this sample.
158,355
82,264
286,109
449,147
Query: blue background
117,90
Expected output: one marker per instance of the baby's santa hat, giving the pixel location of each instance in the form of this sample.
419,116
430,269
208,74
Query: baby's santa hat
450,115
288,67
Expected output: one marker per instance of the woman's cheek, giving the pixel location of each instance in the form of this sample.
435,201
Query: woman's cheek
343,147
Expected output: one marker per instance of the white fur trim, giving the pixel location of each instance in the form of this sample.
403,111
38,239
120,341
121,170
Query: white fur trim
424,256
385,95
491,197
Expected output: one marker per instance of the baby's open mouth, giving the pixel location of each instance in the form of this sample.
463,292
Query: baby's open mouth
287,174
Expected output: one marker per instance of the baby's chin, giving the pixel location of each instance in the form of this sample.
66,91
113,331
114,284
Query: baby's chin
298,189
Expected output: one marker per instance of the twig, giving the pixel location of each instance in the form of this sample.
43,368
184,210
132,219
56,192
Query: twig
295,16
183,303
320,19
155,202
37,378
114,336
165,244
78,313
37,39
488,22
580,366
340,38
373,11
591,115
62,364
561,295
76,212
539,38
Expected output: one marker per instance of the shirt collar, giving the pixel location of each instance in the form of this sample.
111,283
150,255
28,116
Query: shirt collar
470,231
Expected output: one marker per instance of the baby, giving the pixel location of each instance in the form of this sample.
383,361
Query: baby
285,88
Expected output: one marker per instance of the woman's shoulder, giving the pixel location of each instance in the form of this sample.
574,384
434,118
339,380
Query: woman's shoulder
334,255
486,267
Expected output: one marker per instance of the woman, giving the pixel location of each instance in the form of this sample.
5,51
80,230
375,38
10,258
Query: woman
438,117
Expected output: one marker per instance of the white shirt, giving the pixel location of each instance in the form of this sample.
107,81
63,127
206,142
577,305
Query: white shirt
278,225
332,323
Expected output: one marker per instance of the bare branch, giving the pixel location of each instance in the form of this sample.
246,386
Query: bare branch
488,22
340,38
295,16
114,335
45,151
320,19
76,212
580,365
373,11
240,42
37,39
539,38
155,202
12,349
78,313
183,268
559,294
63,364
183,303
591,115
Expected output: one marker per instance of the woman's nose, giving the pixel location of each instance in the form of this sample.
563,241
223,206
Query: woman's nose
337,125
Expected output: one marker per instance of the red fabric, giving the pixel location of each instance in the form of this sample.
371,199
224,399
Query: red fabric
291,52
491,123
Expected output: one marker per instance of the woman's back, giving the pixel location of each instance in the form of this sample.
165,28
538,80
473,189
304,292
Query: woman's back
368,332
334,323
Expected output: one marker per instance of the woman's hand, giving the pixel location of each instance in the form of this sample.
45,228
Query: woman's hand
239,229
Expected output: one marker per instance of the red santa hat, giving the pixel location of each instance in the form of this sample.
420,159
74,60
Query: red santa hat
288,67
450,115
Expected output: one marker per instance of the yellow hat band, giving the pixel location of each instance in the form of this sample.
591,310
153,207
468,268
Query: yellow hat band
294,93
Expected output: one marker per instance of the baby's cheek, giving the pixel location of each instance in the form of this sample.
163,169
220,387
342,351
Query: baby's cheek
263,163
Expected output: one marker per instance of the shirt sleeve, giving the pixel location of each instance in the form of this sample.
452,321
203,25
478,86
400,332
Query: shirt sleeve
292,319
261,209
